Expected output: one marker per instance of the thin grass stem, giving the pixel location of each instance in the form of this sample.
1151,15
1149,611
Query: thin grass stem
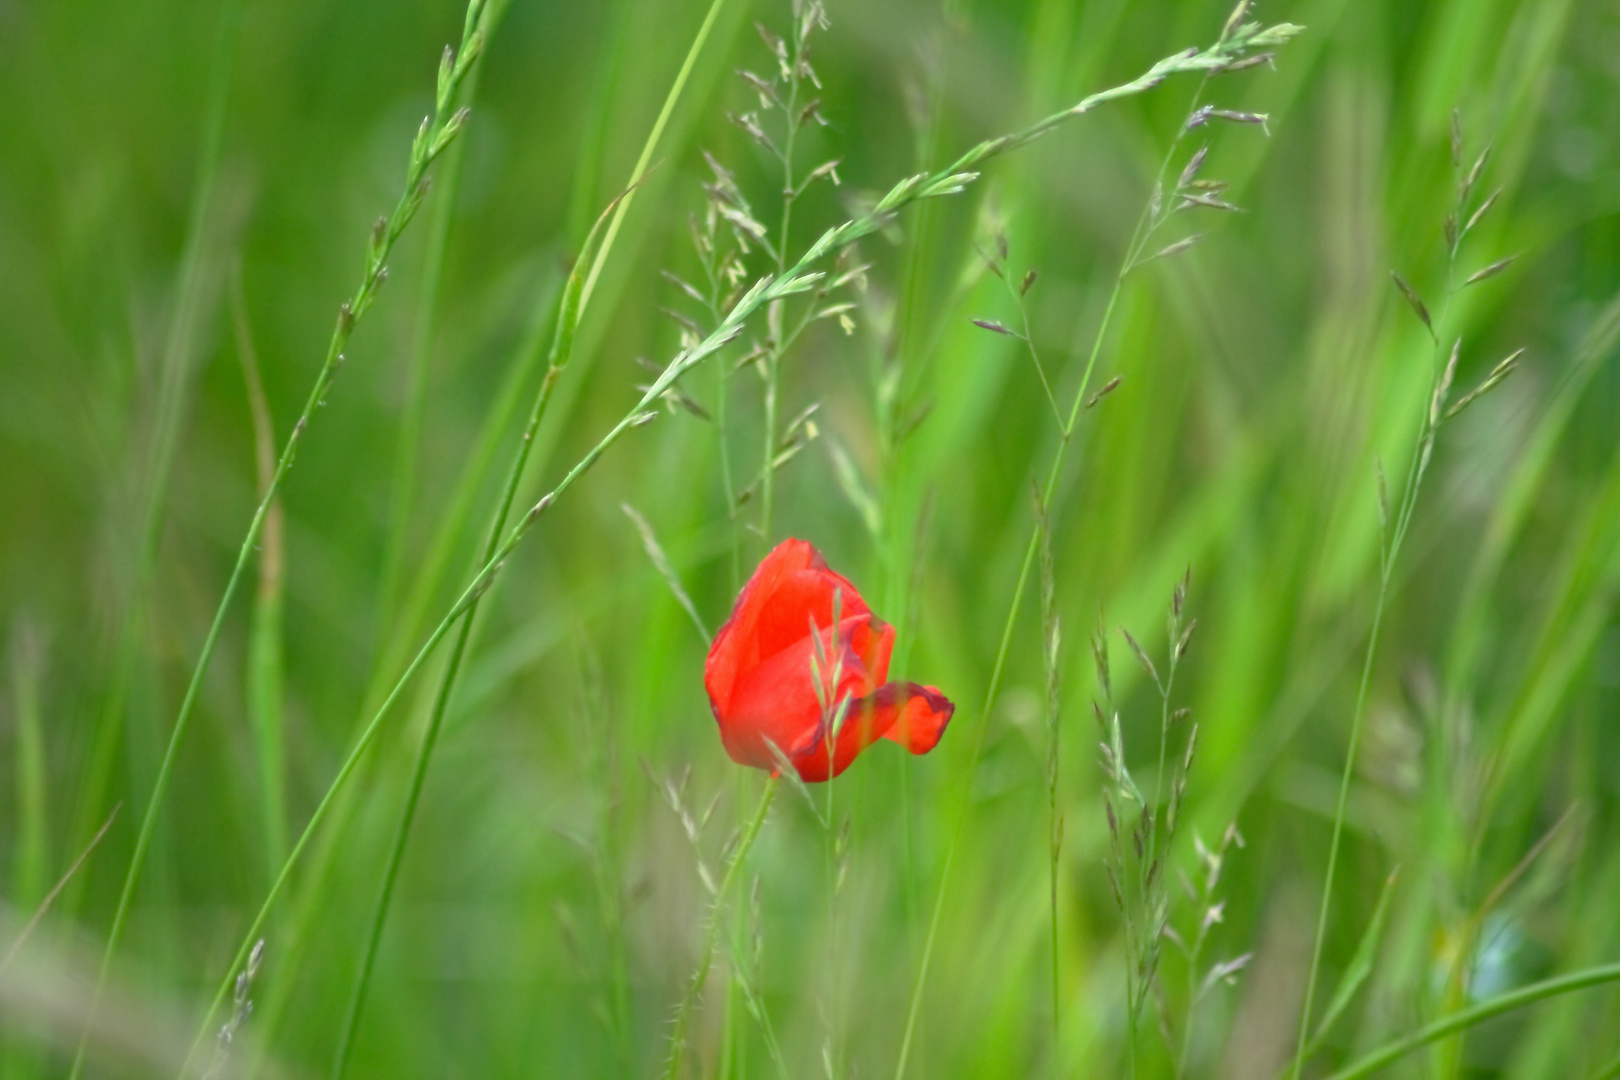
777,346
711,940
1388,554
49,898
644,162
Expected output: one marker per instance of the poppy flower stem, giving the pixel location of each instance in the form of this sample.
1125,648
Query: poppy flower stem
711,939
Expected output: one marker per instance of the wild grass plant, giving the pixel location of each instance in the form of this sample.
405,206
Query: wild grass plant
398,762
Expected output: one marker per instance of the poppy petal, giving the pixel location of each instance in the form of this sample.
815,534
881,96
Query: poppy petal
914,716
921,719
736,649
791,587
776,700
797,599
761,673
874,643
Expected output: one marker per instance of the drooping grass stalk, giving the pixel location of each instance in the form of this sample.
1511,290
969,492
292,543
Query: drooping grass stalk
265,668
424,323
1392,540
562,348
1229,50
1466,1018
711,940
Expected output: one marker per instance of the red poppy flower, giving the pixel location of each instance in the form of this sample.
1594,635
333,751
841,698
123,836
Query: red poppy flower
764,663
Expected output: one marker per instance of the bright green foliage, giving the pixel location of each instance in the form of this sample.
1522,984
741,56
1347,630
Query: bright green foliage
186,196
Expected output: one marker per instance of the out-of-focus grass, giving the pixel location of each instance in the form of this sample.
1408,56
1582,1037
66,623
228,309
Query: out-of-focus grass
1266,372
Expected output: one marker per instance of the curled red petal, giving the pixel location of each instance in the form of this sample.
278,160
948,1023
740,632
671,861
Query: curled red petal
912,715
921,720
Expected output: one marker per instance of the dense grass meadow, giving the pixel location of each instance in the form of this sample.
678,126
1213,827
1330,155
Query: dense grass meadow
1221,407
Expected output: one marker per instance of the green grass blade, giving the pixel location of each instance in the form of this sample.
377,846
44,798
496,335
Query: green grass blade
1478,1014
1361,964
266,690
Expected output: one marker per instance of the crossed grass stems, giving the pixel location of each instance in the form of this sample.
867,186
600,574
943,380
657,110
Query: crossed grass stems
1240,45
1142,896
1190,191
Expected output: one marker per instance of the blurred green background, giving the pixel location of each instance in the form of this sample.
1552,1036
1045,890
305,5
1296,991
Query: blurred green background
550,908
